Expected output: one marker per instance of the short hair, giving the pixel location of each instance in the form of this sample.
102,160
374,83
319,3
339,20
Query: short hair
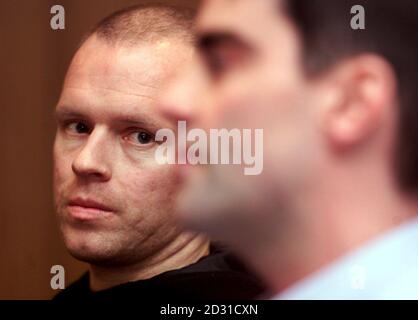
390,32
145,23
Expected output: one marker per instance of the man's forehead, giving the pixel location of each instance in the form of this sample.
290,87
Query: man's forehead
105,79
117,84
110,105
142,67
235,15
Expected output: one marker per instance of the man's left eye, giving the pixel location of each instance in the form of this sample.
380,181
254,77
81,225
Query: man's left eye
140,137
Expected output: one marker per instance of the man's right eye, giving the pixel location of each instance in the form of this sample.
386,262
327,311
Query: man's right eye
77,127
217,64
223,59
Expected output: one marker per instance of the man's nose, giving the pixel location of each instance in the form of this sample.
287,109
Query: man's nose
92,161
180,99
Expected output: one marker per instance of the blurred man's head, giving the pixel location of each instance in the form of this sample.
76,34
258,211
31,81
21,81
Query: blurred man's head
337,107
114,202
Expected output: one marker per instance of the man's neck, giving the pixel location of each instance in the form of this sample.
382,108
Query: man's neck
327,227
183,251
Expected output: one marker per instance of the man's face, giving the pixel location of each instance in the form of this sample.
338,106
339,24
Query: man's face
114,202
248,74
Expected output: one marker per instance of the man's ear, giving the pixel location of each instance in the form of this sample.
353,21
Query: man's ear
363,95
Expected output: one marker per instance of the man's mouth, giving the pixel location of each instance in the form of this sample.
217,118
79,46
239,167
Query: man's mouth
86,209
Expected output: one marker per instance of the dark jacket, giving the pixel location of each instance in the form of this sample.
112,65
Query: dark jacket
218,276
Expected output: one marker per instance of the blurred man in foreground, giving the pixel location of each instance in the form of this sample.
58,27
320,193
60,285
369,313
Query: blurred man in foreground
333,214
114,202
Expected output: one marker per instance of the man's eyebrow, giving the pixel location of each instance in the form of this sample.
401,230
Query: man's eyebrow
67,113
135,120
211,39
138,120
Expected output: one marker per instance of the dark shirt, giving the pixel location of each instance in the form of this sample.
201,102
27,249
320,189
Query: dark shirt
218,276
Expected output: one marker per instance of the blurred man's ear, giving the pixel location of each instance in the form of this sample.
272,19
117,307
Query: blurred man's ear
363,96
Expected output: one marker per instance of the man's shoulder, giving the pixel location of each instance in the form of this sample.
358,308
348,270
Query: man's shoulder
220,275
78,289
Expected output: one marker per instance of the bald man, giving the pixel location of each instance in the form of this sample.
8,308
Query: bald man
114,202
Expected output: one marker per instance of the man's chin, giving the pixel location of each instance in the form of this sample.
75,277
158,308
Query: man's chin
216,210
88,247
90,254
200,214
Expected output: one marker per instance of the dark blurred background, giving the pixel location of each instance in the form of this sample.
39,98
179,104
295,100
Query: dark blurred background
34,59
